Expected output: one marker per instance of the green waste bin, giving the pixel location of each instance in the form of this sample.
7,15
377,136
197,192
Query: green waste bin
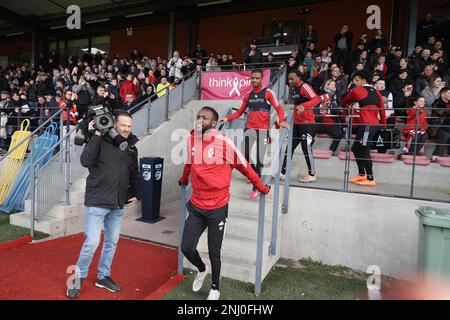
434,243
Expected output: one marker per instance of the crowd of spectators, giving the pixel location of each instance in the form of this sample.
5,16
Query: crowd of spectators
80,81
122,82
410,85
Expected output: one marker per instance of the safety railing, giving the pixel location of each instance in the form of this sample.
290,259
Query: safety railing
402,174
148,114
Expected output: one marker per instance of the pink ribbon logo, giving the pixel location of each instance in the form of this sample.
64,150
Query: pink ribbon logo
235,87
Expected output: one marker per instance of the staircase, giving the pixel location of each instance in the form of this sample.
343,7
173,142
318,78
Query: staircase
240,240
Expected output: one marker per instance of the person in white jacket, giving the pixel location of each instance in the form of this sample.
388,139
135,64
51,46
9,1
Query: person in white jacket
174,65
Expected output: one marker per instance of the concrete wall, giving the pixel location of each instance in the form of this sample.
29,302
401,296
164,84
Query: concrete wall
353,230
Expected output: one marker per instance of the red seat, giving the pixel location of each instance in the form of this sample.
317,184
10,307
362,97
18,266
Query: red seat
419,161
382,157
404,157
322,154
443,160
445,164
342,156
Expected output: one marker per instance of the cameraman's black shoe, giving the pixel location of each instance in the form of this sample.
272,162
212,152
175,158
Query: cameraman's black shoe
108,284
73,291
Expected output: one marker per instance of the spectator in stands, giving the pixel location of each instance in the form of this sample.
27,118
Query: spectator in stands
174,65
199,52
441,109
161,86
404,100
325,57
423,79
136,55
148,93
84,95
388,98
224,63
430,43
329,120
343,41
276,31
376,54
131,85
308,62
292,64
44,84
370,105
130,102
362,59
312,48
253,55
415,54
307,36
341,84
415,129
438,63
393,58
104,98
396,85
188,67
431,92
270,61
378,41
426,28
212,64
354,56
113,89
67,103
423,61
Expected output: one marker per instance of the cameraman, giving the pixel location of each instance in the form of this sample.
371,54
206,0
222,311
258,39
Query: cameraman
113,182
105,98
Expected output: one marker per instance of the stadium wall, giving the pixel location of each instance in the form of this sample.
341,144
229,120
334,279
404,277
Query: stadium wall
354,230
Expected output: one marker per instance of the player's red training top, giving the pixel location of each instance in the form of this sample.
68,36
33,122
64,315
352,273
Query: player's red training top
305,96
209,164
259,101
371,105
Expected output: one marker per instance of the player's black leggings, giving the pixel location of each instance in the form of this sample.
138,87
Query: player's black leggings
196,223
302,134
361,149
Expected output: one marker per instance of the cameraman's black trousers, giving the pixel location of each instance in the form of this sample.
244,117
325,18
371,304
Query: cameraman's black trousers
197,221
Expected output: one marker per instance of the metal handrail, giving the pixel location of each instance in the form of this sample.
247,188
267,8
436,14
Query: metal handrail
263,65
155,94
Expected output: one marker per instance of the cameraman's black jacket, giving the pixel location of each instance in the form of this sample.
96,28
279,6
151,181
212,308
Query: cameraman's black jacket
113,174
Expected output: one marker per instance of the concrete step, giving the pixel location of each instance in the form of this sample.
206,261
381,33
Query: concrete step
62,211
49,225
237,246
236,268
246,225
77,197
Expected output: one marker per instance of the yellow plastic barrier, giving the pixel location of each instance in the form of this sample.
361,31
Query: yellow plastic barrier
13,162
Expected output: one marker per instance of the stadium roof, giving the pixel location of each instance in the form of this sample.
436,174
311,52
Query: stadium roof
48,17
